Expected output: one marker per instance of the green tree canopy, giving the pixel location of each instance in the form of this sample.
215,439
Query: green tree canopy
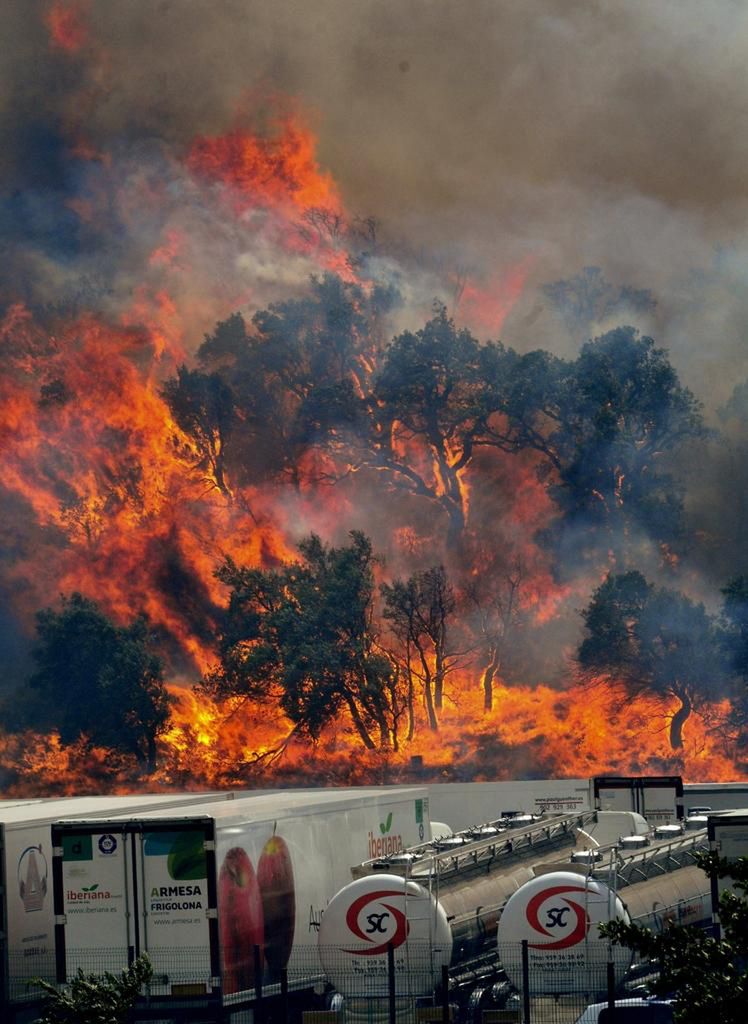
95,679
604,422
655,642
304,635
96,999
735,622
734,639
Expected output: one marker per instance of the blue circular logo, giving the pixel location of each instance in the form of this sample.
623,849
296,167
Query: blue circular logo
107,844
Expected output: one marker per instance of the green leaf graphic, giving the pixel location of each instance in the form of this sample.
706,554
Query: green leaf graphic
91,888
187,857
385,826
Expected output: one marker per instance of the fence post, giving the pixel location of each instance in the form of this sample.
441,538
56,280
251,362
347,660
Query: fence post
258,983
526,981
611,988
284,994
391,982
445,994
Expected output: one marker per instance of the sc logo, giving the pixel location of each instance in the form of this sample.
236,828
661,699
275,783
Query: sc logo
379,922
556,916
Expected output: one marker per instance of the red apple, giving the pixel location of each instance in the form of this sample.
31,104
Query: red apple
275,877
240,920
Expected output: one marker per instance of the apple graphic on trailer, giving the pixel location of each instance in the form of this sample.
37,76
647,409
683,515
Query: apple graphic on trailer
276,881
240,921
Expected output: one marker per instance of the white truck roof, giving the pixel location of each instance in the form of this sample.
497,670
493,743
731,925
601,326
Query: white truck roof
56,809
280,803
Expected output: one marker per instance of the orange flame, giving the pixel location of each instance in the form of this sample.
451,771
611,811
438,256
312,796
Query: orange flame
484,307
101,462
66,25
279,170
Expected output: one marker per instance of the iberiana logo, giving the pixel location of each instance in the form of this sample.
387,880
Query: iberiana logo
87,894
565,922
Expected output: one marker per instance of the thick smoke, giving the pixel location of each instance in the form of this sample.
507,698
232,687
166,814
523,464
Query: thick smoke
479,134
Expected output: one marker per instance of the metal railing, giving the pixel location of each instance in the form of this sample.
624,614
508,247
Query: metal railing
442,862
473,850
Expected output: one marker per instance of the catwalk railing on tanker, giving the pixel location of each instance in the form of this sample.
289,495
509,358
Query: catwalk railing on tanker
481,848
499,843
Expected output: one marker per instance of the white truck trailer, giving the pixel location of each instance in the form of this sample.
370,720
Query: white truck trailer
226,896
26,915
463,804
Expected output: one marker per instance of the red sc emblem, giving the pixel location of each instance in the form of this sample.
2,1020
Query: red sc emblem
556,917
376,923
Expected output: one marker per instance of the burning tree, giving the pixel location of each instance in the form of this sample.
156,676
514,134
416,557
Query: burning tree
296,378
495,597
304,636
203,407
313,373
604,422
418,610
429,408
653,641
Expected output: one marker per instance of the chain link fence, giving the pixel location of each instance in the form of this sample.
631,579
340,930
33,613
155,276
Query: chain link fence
410,984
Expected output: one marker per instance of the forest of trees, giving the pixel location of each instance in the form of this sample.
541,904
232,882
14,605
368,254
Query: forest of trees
315,373
313,392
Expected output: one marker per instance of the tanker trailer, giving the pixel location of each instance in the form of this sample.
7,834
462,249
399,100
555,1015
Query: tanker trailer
473,877
385,942
657,885
473,873
462,882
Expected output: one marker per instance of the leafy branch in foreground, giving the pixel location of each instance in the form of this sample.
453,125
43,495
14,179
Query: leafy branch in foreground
706,977
96,999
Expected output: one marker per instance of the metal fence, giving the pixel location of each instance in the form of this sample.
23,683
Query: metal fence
179,972
410,984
